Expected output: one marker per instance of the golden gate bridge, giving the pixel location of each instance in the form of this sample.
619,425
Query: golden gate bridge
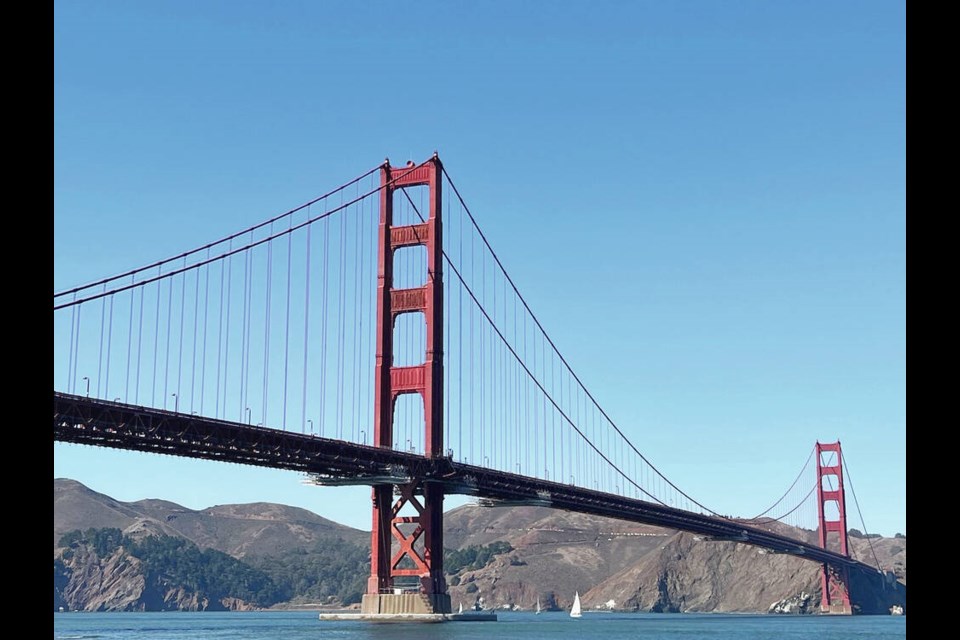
373,336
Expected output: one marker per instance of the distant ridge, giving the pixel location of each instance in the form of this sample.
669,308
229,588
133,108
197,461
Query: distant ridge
552,554
240,530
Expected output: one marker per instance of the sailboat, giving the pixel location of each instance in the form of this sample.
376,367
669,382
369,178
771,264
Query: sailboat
460,610
538,605
575,609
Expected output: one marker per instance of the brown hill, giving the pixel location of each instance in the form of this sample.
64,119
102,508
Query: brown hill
612,563
623,565
690,574
77,507
242,530
555,553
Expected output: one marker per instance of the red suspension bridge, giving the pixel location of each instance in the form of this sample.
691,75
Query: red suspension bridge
372,336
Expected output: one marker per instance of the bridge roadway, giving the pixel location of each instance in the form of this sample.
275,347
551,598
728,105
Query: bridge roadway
82,420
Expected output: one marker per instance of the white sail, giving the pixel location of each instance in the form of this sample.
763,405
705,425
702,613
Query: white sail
460,610
538,606
575,610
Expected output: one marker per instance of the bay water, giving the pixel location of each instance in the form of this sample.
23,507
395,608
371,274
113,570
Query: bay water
305,625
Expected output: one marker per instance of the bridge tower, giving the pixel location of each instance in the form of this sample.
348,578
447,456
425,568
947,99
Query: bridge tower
832,517
420,552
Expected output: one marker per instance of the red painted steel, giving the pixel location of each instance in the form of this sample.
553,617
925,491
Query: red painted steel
410,235
835,581
408,300
407,379
425,379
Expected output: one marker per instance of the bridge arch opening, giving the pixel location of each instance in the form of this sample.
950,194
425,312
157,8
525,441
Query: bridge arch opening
409,267
829,482
407,201
409,339
408,434
831,510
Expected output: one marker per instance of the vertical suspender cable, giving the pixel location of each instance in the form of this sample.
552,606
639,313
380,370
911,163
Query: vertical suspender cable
156,342
355,371
447,394
224,330
103,309
249,337
243,336
73,324
106,381
473,419
286,330
358,323
136,393
306,334
529,449
460,340
268,315
495,438
193,360
483,357
183,300
323,315
76,348
206,326
266,330
340,332
166,366
518,423
126,381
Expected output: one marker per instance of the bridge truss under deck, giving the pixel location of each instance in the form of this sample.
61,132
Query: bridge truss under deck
82,420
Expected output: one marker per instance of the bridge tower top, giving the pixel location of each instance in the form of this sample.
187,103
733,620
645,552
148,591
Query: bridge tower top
426,378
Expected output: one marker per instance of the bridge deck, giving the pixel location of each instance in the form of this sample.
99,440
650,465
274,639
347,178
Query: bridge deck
90,421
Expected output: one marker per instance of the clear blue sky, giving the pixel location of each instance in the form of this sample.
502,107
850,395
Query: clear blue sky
704,202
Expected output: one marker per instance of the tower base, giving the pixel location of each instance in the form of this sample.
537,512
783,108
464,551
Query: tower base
837,610
409,607
385,618
405,603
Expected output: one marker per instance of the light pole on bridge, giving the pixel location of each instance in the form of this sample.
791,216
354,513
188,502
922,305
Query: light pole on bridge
310,422
88,385
176,403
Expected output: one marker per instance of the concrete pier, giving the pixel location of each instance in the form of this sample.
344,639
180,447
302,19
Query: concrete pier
405,603
409,607
466,616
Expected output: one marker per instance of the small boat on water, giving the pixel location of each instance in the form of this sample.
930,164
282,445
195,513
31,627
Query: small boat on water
460,610
538,605
575,609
